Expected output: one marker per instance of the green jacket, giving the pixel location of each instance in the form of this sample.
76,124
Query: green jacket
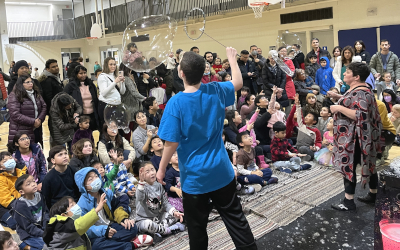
110,177
65,233
393,66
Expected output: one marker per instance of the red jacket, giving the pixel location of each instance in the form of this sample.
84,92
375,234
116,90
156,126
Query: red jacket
290,89
209,78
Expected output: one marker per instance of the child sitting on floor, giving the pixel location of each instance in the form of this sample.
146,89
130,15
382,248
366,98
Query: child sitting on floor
324,156
108,178
83,131
7,242
243,93
173,184
154,214
123,184
312,106
325,117
30,213
156,146
248,171
67,228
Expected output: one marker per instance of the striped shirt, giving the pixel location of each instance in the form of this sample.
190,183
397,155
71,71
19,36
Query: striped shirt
122,183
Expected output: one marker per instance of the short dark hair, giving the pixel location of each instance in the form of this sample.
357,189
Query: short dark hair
385,40
60,206
50,61
282,47
193,48
297,46
361,42
193,67
312,55
151,140
95,163
322,59
97,71
84,118
360,69
253,46
55,150
245,88
20,181
257,99
143,164
329,109
3,154
314,39
4,237
239,137
279,126
119,151
130,45
208,52
244,52
148,102
315,115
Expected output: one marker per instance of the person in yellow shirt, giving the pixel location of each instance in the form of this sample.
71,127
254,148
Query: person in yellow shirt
388,132
9,173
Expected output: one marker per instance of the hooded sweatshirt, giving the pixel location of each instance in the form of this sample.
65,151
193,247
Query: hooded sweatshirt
116,213
324,78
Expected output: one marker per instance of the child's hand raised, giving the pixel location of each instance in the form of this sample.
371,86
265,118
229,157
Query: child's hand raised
250,126
101,203
257,110
113,155
274,89
179,215
262,92
301,155
141,175
296,99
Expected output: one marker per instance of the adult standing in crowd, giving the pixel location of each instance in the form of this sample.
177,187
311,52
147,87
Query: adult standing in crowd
289,87
342,62
385,61
357,114
178,82
50,82
83,90
27,109
208,57
195,50
11,70
249,72
111,86
96,66
299,56
273,75
144,83
336,52
316,50
259,62
259,51
359,48
20,68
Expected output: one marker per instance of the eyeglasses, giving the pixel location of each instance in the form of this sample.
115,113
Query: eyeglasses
24,139
28,82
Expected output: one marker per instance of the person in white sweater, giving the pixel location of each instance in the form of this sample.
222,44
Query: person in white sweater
111,85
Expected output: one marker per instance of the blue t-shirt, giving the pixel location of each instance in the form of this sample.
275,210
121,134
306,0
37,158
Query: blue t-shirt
195,121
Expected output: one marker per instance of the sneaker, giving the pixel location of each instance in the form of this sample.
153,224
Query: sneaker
157,238
164,230
346,205
142,241
247,190
267,160
285,170
257,187
306,158
369,198
272,180
238,186
379,162
305,166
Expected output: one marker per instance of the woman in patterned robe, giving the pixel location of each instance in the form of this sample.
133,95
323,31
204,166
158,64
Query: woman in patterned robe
357,135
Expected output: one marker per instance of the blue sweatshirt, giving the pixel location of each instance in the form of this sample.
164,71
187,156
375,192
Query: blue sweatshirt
324,78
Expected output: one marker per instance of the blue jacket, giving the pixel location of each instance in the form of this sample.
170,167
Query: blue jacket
117,208
324,78
38,157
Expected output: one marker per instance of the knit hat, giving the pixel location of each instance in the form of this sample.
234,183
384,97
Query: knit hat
310,95
20,64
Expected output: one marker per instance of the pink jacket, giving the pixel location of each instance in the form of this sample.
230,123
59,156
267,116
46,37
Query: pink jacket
278,116
245,110
252,133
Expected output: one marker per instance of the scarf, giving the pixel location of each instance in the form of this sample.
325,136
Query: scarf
32,97
48,74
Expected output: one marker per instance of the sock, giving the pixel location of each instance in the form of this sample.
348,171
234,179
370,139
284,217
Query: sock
349,202
181,226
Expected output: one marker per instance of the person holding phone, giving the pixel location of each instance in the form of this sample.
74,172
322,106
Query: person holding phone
111,86
142,135
248,71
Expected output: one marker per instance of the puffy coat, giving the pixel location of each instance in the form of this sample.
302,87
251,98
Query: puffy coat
72,89
271,79
290,89
324,78
393,65
8,193
259,67
248,81
132,99
301,89
51,87
63,128
178,82
22,115
321,53
38,157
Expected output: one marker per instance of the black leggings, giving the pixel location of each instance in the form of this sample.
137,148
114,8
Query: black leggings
350,186
101,107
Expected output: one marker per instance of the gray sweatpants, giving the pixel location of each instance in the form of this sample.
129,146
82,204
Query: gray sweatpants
293,163
155,225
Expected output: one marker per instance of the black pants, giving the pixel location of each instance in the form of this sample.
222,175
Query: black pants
102,106
38,132
229,207
350,186
93,123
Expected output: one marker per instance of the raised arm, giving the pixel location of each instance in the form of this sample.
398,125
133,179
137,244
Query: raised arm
237,80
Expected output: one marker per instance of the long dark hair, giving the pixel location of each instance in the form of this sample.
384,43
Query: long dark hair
118,137
71,69
11,145
337,47
63,101
351,51
230,115
20,91
362,44
60,206
126,70
76,71
392,94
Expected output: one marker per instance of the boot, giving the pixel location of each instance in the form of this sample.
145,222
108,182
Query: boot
346,205
262,163
369,198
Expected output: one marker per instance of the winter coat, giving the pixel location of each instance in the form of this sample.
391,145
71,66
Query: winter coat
115,209
337,71
300,59
290,88
132,99
38,157
178,82
324,78
248,81
271,79
72,89
143,87
321,53
259,67
8,193
4,77
77,164
302,90
13,80
365,56
209,78
393,65
22,115
105,146
51,87
311,70
63,128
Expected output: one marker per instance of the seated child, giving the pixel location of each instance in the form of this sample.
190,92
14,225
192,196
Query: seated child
320,97
156,146
154,214
30,213
231,148
132,56
388,132
113,229
226,77
10,171
394,117
300,85
107,178
7,242
67,228
83,131
308,136
325,117
248,171
173,184
312,68
312,106
283,153
276,114
122,184
243,93
324,156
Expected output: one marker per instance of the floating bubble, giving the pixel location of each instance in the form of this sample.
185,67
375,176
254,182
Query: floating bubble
195,23
147,42
282,65
116,117
288,40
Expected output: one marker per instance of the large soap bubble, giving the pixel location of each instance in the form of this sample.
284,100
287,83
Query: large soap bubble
282,65
288,40
116,117
147,42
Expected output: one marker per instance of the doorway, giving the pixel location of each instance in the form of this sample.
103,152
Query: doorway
67,54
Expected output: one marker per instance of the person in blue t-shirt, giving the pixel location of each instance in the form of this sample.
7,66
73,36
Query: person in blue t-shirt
192,125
